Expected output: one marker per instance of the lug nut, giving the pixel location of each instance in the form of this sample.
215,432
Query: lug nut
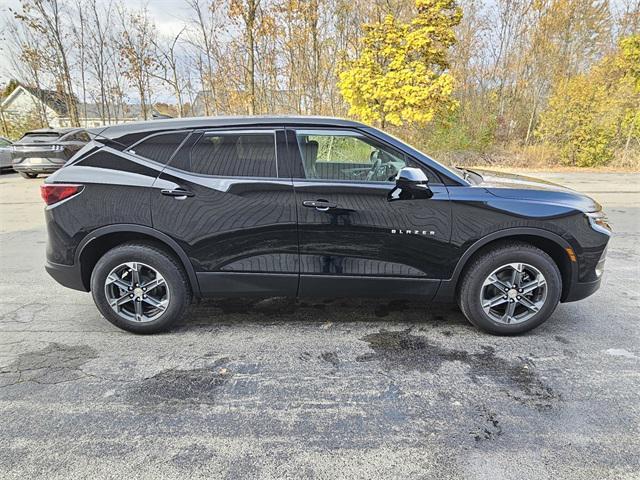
518,297
144,296
131,295
144,289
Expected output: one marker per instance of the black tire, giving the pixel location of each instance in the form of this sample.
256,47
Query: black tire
28,175
469,293
174,275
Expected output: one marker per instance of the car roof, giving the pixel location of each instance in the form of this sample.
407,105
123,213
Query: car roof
151,126
59,131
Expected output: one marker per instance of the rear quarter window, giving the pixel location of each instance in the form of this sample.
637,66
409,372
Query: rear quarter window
160,147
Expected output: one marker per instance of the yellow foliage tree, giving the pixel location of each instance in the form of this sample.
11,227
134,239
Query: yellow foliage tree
593,115
401,73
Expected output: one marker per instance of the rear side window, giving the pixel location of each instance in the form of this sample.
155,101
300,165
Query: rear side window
235,154
160,147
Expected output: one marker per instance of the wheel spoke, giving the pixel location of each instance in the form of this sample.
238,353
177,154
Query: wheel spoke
494,280
508,314
116,280
495,301
159,304
139,312
116,302
517,274
135,273
528,304
532,285
151,284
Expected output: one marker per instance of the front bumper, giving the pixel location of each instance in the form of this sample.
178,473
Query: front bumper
69,276
581,290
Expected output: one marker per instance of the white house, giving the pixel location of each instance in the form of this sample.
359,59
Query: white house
26,101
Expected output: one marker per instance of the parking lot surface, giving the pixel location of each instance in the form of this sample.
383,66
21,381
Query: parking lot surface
344,388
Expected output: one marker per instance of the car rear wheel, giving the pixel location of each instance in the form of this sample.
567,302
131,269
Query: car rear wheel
510,289
140,288
28,175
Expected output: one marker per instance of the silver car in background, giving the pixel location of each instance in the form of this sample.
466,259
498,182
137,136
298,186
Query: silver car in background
46,150
5,154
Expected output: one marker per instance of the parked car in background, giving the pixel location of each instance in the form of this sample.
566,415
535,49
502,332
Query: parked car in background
46,150
151,214
5,154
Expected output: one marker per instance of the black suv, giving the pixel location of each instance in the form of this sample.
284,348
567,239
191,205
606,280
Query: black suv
149,215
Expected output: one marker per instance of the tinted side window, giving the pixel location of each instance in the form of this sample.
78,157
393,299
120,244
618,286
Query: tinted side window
235,154
159,147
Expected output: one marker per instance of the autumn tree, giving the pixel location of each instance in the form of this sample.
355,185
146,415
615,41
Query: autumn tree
46,17
167,52
136,53
591,115
401,73
247,14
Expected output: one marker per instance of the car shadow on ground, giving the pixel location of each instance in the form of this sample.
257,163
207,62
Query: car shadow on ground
321,310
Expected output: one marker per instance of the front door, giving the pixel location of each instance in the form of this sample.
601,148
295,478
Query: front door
353,239
224,199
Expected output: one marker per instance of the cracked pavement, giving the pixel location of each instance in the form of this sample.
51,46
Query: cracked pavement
335,388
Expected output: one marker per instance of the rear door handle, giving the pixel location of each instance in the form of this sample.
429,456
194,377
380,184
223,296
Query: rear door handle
177,193
320,205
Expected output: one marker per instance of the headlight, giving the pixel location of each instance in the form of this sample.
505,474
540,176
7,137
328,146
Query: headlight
599,222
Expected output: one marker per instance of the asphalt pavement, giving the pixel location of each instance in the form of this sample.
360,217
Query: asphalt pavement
327,389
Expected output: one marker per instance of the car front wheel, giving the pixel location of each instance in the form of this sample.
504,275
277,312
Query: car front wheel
140,288
510,289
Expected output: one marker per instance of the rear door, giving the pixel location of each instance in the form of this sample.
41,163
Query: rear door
353,240
225,198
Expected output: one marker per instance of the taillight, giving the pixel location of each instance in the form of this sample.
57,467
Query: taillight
55,192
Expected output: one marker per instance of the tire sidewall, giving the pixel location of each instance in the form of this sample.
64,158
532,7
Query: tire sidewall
470,300
178,290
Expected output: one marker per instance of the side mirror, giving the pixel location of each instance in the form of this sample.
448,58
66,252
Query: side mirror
411,183
409,177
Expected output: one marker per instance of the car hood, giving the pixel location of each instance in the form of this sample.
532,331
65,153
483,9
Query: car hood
520,187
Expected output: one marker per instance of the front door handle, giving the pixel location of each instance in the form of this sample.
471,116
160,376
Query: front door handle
177,193
320,205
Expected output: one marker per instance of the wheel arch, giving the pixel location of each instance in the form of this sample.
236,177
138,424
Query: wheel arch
551,243
98,242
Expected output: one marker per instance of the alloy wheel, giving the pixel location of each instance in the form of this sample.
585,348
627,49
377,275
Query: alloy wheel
137,292
513,293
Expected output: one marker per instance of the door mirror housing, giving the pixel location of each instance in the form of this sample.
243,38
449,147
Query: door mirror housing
411,183
409,176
